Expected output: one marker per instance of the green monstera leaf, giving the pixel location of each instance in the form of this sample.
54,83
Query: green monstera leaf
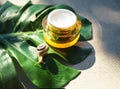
21,32
7,69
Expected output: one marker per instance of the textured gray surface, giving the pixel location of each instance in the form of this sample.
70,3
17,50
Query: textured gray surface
101,70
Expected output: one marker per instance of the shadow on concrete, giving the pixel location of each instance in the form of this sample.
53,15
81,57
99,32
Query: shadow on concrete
89,61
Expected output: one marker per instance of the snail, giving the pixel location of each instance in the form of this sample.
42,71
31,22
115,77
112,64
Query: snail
42,50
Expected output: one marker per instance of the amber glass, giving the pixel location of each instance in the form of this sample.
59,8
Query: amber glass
61,37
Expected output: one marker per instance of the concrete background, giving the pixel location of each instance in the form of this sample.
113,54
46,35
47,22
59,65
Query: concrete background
101,70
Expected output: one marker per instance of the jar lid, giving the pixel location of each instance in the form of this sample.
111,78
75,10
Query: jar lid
62,18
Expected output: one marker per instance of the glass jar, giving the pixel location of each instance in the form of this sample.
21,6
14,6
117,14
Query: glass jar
62,28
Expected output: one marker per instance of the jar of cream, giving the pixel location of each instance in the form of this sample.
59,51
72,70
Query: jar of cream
62,28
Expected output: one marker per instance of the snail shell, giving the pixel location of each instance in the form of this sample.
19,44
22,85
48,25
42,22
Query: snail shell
42,50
